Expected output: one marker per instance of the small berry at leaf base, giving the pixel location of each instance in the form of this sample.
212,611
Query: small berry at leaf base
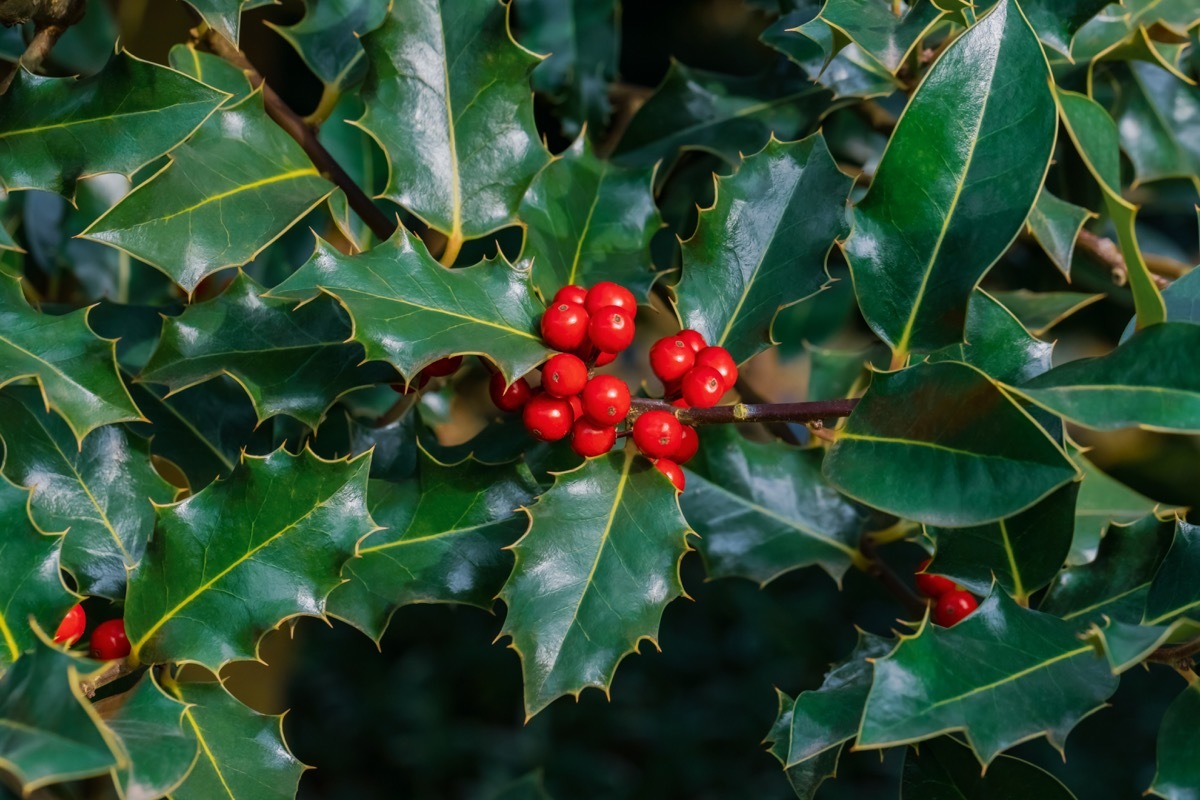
512,398
565,326
611,329
418,383
932,585
693,339
606,399
547,418
953,607
565,375
443,367
607,293
689,443
657,433
673,471
576,407
589,439
702,387
604,359
571,294
109,641
671,357
72,626
719,359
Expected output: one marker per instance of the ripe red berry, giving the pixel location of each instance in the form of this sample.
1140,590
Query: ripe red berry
932,585
607,293
719,359
109,640
576,407
565,326
605,358
571,294
657,433
564,375
702,387
693,338
512,398
611,329
671,357
953,607
589,439
606,399
72,626
443,367
548,418
689,443
673,471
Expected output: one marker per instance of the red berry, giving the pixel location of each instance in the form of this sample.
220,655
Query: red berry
589,439
443,367
576,407
509,399
702,387
673,471
571,294
607,293
657,433
671,390
417,384
719,359
689,443
548,418
606,399
693,338
611,329
109,641
565,326
605,358
932,585
679,402
564,375
72,626
671,357
953,607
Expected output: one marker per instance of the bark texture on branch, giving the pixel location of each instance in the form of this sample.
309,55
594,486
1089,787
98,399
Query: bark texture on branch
744,413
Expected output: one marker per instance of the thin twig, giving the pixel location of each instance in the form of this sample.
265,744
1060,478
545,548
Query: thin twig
779,429
882,572
1105,251
1176,654
115,672
50,23
745,413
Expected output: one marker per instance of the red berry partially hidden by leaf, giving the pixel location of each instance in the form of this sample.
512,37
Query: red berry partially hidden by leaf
417,384
512,398
589,439
548,418
611,329
932,585
702,387
671,357
693,338
689,443
953,607
72,626
606,399
565,326
576,407
443,367
109,640
571,294
657,433
565,375
673,471
607,293
719,359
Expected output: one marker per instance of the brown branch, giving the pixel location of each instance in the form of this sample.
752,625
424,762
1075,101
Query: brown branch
51,20
780,430
1177,655
1105,251
744,413
116,671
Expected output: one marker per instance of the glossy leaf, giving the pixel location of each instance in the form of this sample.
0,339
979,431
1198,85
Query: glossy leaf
1041,311
225,15
148,724
1182,299
100,492
1103,500
849,73
1056,224
1127,645
944,769
997,343
1174,590
1003,675
1178,772
1158,120
328,38
211,70
916,257
54,131
961,453
1057,21
762,245
238,558
763,509
882,34
593,574
410,312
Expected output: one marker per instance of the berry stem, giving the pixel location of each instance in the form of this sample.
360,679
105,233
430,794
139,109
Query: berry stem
744,413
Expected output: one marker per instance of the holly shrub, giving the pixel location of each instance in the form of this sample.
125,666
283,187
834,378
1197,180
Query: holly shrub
774,334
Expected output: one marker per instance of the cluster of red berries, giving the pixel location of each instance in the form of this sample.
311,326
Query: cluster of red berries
108,640
952,603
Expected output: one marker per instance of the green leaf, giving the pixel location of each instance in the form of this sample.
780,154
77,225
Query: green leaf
229,191
1057,21
997,343
917,256
527,787
410,312
1141,30
448,100
835,373
1149,381
54,131
849,73
1178,772
593,574
1041,311
944,769
762,245
1158,120
1102,501
883,35
443,542
1126,645
211,70
236,559
225,15
1003,675
589,220
242,752
147,722
1182,298
99,492
1174,590
942,444
1056,224
289,361
749,528
327,39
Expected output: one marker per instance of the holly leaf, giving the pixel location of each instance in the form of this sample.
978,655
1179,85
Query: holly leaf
225,16
1055,225
1158,120
1041,311
960,453
762,245
147,723
443,542
211,70
289,360
54,131
1003,675
1103,500
328,38
997,343
1178,762
238,558
1057,21
593,574
589,220
945,769
242,752
882,34
1182,299
916,257
99,492
750,526
849,73
236,186
1174,590
410,312
447,98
